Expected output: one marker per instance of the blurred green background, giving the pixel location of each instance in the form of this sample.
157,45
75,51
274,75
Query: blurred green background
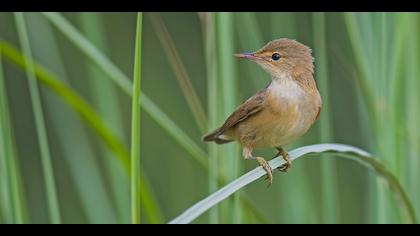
366,68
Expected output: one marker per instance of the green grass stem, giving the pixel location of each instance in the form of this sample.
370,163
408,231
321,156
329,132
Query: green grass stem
135,127
250,39
12,204
52,200
212,92
412,109
328,167
109,108
180,71
228,85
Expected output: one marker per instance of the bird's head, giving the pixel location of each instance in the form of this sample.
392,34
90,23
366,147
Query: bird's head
282,57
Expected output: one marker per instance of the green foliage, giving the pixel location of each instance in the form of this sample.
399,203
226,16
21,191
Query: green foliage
121,154
377,40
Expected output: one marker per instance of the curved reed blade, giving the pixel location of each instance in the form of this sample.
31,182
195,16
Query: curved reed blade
358,154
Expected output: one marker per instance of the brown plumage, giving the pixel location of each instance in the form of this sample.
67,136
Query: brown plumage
279,113
248,108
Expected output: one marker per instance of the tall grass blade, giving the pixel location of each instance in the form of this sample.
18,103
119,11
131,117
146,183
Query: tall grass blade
228,85
135,127
362,53
81,163
378,71
250,38
109,109
329,185
12,194
412,107
52,200
5,197
181,73
361,60
212,95
395,84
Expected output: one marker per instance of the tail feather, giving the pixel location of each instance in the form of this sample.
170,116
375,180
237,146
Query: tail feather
222,141
215,136
211,136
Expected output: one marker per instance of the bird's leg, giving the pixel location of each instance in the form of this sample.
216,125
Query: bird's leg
285,155
247,154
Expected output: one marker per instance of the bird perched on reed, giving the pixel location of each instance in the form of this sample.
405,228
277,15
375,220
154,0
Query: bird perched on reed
282,111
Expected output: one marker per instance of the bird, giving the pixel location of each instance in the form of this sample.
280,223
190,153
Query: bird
279,113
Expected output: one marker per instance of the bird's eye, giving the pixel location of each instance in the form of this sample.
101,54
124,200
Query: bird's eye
275,56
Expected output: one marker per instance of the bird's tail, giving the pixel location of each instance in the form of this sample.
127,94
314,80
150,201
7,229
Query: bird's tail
215,136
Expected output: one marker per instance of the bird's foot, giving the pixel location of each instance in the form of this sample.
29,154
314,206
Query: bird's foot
264,164
285,155
285,166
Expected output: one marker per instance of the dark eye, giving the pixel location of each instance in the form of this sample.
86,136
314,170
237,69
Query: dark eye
275,56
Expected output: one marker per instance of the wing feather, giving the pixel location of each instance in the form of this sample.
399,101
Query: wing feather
250,107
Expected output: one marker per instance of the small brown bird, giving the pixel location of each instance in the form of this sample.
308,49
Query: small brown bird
282,111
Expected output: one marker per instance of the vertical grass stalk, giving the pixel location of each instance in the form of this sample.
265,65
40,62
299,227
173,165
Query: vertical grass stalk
52,201
250,38
396,83
5,195
212,99
81,163
377,51
364,77
412,107
135,127
109,108
180,71
329,187
11,205
228,85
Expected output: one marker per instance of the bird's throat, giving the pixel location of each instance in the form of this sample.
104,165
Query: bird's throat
286,88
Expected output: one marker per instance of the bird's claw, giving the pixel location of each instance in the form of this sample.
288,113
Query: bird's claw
285,166
264,164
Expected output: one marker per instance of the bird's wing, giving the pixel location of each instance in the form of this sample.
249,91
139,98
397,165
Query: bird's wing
250,107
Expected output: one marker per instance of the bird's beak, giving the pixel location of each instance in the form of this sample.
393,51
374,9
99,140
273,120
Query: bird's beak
246,55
